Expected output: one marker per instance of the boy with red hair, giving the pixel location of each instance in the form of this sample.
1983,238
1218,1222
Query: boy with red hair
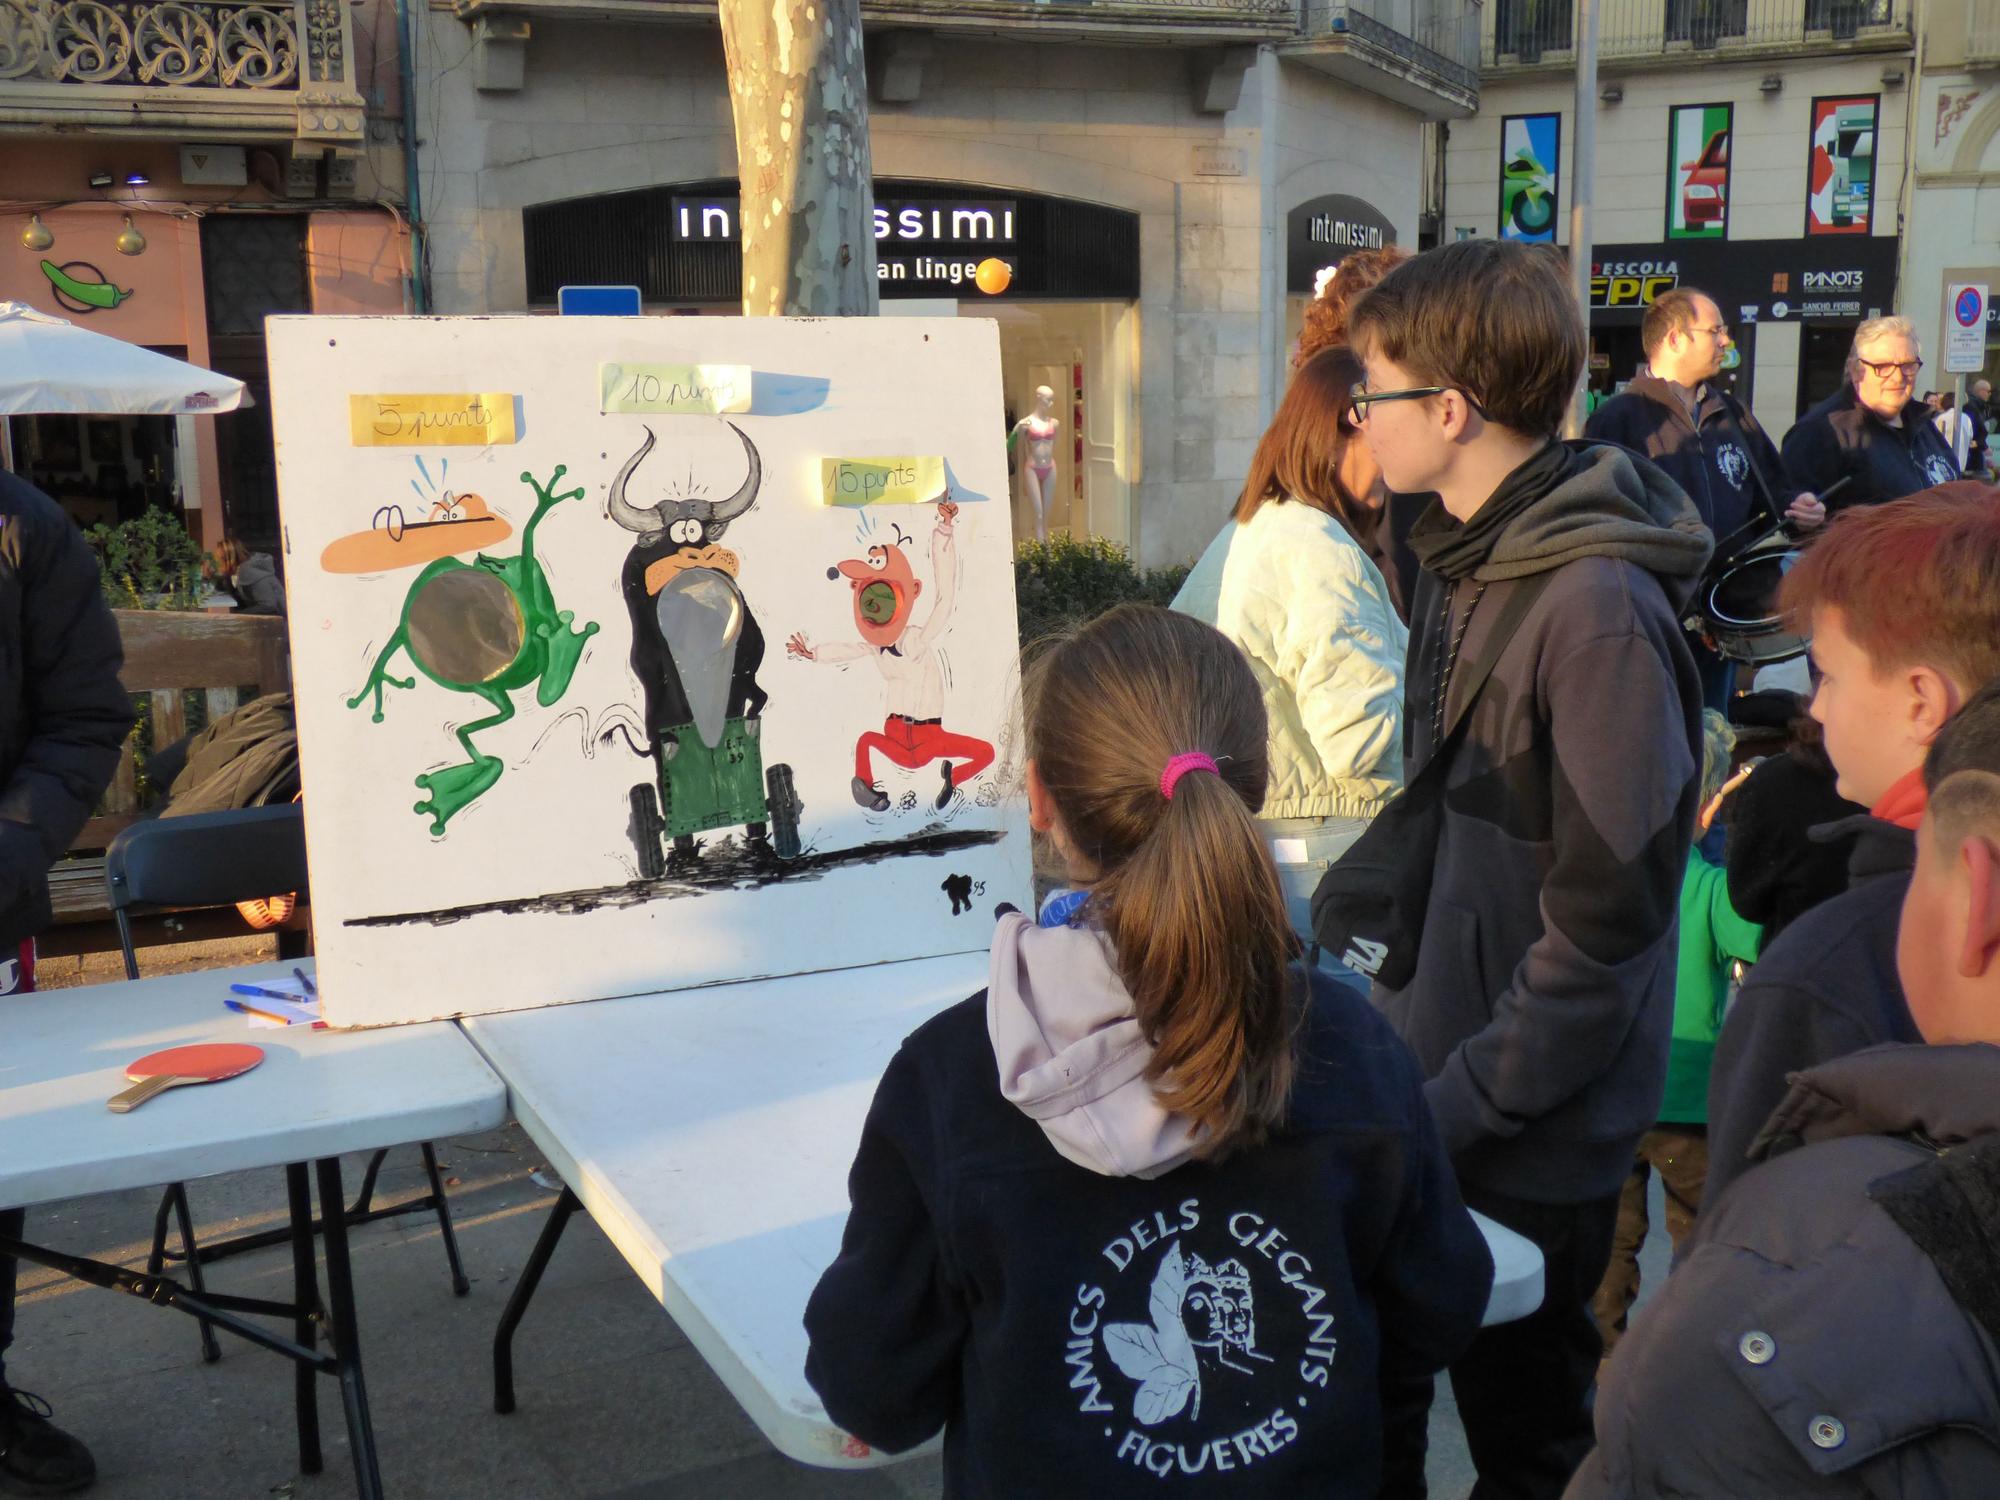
1830,1334
1903,603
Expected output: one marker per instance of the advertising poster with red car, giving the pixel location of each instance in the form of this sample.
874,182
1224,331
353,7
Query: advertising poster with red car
1840,175
1698,172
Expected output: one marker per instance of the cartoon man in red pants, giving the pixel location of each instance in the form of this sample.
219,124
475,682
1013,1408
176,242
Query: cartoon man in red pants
885,596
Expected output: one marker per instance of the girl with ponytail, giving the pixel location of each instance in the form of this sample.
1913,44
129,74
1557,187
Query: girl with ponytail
1158,1201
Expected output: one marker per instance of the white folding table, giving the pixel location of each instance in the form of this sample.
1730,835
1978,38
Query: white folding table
316,1095
709,1133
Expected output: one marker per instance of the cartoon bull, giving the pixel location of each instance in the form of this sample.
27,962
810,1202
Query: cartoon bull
696,650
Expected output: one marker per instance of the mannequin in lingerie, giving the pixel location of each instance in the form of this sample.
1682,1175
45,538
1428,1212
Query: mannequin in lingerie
1038,470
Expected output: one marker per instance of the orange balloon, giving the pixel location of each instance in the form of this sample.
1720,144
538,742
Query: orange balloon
993,276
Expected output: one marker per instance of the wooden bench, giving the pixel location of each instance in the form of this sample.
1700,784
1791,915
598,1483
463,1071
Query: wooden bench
228,659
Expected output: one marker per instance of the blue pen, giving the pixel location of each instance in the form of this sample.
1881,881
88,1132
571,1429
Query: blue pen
251,989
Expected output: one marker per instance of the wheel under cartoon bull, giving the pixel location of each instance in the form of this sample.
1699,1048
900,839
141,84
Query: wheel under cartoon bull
696,650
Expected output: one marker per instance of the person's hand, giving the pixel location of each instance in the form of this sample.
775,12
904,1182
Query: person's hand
1715,803
947,512
798,646
1806,512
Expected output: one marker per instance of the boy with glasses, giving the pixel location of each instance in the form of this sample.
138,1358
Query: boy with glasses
1704,440
1873,431
1542,999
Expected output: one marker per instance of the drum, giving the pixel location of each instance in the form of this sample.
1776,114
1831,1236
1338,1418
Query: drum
1737,605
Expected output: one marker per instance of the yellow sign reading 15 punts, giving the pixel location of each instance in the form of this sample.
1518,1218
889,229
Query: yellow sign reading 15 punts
450,418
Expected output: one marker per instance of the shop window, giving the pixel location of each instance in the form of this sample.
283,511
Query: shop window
1822,360
101,470
1704,23
1525,29
1845,18
253,266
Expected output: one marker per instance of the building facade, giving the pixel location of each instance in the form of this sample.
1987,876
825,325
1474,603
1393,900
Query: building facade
1954,223
170,175
1138,164
1758,150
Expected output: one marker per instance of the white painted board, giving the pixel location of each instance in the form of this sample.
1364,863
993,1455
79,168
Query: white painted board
530,876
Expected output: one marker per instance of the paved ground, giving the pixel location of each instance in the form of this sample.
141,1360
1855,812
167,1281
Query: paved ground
614,1404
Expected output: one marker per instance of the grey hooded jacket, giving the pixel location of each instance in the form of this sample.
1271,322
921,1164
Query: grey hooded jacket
1543,996
1831,1331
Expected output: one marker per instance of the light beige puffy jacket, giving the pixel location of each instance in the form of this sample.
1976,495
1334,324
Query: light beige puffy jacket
1311,612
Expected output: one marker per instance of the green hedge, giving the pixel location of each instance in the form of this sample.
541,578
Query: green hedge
1060,583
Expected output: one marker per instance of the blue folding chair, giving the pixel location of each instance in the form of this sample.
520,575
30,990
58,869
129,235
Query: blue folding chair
214,859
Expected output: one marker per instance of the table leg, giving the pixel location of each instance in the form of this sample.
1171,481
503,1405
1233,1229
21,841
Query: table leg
344,1332
211,1351
517,1305
305,1296
459,1285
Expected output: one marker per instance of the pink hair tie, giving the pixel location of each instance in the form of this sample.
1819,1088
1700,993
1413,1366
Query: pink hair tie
1180,765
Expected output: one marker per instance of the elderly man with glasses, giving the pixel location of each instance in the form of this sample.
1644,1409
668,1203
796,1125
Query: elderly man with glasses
1873,431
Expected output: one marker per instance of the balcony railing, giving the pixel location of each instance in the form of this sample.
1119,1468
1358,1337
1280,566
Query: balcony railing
243,67
1439,35
1982,31
1527,32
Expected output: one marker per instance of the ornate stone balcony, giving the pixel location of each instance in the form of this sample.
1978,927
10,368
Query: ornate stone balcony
249,70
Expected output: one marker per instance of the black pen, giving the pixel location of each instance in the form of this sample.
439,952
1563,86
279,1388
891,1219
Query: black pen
312,990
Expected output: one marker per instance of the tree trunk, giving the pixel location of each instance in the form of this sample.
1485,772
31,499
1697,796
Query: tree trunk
799,92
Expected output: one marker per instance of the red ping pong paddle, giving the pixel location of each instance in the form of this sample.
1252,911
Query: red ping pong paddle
206,1062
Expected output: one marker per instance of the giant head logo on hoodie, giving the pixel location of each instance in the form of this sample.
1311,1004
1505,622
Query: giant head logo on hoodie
1205,1348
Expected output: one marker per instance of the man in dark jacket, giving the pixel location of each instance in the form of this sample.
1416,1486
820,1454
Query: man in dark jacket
1979,407
63,720
1872,431
1835,1327
1703,439
1542,999
1903,601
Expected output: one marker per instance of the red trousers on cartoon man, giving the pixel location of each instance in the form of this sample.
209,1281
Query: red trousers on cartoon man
916,742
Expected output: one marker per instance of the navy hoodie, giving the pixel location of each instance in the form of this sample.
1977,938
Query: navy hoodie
1718,459
1842,439
63,713
1107,1329
1828,987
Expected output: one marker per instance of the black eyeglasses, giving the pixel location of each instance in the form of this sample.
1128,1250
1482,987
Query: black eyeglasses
1360,398
1883,369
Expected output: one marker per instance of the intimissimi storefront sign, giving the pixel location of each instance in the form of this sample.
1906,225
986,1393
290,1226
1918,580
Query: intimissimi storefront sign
939,241
684,243
1322,232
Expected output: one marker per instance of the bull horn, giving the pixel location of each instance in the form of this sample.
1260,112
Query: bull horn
632,517
724,511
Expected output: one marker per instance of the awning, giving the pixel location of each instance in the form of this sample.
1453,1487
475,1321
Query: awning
50,365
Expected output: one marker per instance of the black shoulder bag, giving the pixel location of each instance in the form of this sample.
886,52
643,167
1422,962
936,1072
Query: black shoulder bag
1369,908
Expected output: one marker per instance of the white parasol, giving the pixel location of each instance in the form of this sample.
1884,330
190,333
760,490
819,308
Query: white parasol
50,365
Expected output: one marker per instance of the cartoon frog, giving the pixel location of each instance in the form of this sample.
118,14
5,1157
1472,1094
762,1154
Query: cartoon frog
488,627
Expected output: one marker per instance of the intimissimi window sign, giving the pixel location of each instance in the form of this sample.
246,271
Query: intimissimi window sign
683,243
1322,232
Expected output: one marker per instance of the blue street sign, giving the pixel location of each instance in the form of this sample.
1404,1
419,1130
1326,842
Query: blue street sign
598,301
